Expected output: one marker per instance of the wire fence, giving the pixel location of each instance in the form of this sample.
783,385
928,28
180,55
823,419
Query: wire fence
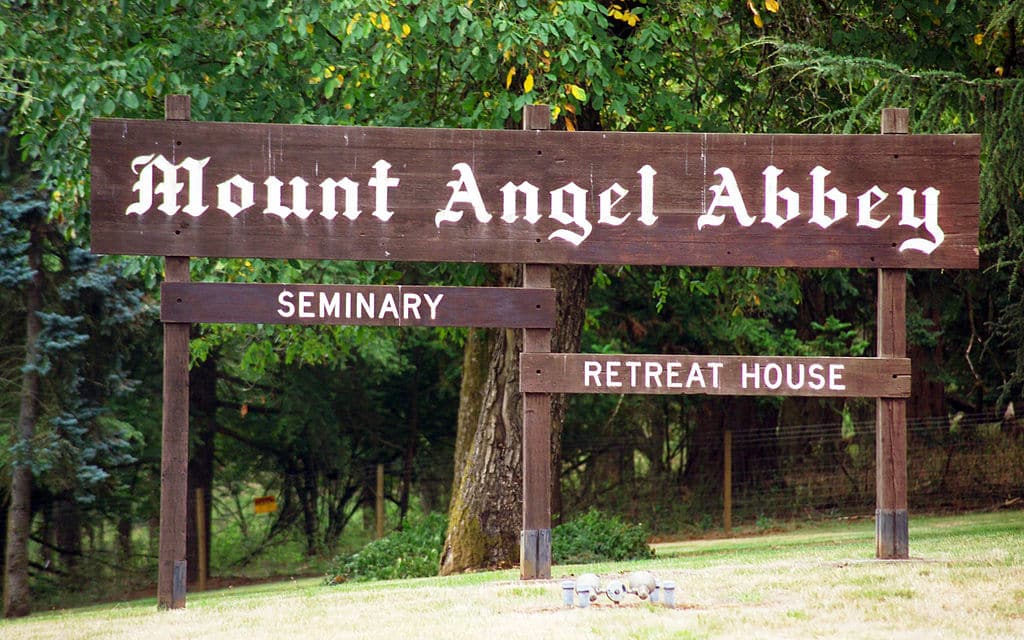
967,462
964,462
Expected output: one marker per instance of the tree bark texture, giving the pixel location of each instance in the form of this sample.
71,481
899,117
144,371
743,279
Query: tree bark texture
203,408
17,594
485,515
67,530
476,357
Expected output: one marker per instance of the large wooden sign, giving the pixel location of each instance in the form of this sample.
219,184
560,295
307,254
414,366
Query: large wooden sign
543,197
398,306
178,188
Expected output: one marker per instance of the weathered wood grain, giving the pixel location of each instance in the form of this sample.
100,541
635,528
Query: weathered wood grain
397,305
535,538
891,516
716,375
174,428
423,161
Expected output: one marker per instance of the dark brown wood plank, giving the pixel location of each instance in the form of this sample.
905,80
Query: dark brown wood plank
891,423
665,181
173,450
535,541
536,448
716,375
398,305
891,516
174,429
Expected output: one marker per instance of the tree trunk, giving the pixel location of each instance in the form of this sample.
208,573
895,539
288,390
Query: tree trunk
485,516
17,595
67,530
572,284
409,453
203,408
309,495
124,541
475,365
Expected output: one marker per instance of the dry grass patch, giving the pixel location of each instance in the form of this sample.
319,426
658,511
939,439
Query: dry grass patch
967,582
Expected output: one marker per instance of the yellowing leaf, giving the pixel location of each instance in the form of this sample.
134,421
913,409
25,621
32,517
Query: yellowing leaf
772,5
757,16
406,30
309,28
508,78
569,126
578,93
385,22
528,83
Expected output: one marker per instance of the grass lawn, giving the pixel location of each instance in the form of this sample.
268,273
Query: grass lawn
965,580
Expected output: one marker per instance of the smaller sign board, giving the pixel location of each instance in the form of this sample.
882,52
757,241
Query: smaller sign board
715,375
264,504
395,305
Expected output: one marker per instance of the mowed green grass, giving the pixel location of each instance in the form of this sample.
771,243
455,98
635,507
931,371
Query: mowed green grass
965,580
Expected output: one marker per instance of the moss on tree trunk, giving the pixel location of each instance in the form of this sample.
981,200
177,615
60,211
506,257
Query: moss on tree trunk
485,516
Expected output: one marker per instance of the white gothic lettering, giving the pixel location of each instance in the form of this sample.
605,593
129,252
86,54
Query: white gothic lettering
575,207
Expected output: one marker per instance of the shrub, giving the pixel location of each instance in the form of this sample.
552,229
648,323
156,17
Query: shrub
412,553
596,536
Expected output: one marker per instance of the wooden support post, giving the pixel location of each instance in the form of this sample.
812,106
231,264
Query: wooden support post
201,537
535,542
174,446
727,484
379,501
891,524
535,539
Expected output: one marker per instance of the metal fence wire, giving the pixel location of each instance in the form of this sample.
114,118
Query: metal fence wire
963,462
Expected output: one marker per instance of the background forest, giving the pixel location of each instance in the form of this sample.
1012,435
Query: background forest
308,413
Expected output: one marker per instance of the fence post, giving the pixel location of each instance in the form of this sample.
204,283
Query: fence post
379,501
201,537
891,525
727,483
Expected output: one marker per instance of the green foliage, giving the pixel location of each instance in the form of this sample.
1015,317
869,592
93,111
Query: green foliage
20,209
595,537
970,83
414,552
323,403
